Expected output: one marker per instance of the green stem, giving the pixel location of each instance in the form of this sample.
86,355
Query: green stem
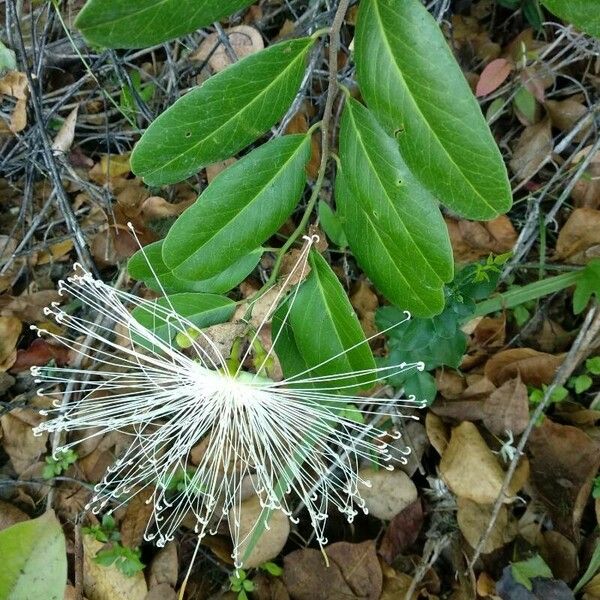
520,294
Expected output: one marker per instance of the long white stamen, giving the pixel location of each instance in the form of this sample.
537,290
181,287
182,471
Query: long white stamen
197,432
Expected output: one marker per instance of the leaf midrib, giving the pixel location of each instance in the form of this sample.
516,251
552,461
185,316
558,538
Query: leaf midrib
418,108
213,132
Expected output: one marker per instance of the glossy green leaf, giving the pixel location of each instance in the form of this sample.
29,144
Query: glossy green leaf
412,82
34,560
202,310
584,14
393,224
322,332
223,115
331,224
244,206
148,266
140,23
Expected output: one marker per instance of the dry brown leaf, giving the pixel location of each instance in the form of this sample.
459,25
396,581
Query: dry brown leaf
272,540
592,589
55,252
110,169
402,532
490,332
472,240
535,368
564,461
135,520
10,331
579,239
164,568
214,169
564,114
162,591
156,207
586,191
396,585
10,515
365,302
532,151
390,492
66,134
14,83
469,467
473,520
560,555
507,408
449,383
460,410
437,432
243,39
108,583
354,573
18,440
268,588
39,353
29,307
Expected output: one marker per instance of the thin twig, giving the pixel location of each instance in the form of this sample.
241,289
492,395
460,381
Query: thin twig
81,247
581,346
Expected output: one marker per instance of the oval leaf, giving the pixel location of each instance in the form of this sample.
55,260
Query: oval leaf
321,332
224,115
584,14
162,279
393,224
419,93
203,310
243,206
34,560
140,23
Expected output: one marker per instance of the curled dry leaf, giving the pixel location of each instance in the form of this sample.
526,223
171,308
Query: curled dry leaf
66,134
490,332
14,84
396,585
18,440
156,207
402,532
10,330
243,39
10,514
472,471
564,461
437,432
137,515
272,540
390,492
533,150
586,191
29,307
472,240
365,302
507,408
108,583
560,554
39,353
493,76
213,170
473,521
565,114
579,239
164,568
353,573
449,383
534,368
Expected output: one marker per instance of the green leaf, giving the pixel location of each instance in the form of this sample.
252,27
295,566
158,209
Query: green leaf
411,81
331,224
163,278
203,310
336,346
523,572
272,568
244,206
582,383
584,14
393,224
34,560
588,284
592,569
222,116
8,61
422,386
593,365
140,23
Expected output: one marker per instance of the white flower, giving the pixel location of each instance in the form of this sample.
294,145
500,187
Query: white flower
287,442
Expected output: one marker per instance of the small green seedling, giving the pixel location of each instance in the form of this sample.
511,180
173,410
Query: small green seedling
240,584
584,381
57,466
104,532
